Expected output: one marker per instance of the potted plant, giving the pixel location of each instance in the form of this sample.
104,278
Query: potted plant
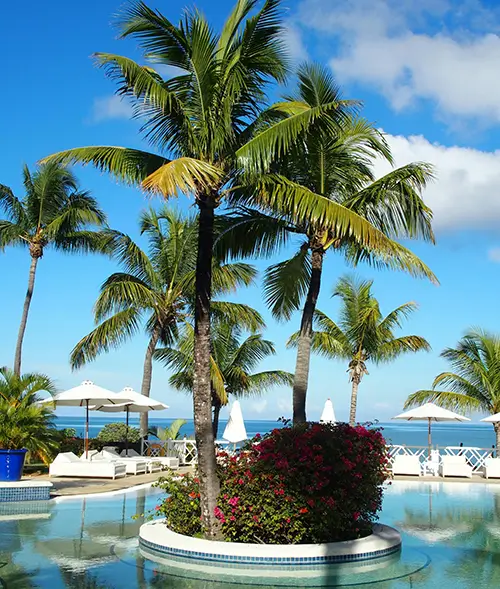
25,426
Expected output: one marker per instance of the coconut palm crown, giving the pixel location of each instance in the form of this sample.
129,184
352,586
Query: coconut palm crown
473,383
362,334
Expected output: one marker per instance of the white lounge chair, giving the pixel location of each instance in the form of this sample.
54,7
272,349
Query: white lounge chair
152,465
406,465
67,464
491,468
455,466
131,466
165,461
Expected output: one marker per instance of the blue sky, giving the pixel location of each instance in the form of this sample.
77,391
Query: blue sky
428,74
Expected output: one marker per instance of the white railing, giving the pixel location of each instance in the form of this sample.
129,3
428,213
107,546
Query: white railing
475,457
184,450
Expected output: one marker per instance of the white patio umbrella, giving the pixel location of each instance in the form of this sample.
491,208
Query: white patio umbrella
86,395
235,429
138,404
492,418
328,415
430,412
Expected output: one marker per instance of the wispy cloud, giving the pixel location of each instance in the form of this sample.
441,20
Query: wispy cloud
494,255
259,406
108,108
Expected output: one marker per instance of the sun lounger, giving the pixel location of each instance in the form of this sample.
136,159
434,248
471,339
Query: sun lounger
131,466
165,461
455,466
152,465
491,468
404,464
67,464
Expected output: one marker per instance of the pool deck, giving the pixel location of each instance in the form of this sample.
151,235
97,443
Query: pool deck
67,486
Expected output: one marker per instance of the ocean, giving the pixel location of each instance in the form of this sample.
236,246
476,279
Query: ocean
409,433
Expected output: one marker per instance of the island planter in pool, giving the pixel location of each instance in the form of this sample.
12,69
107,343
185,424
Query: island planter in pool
11,464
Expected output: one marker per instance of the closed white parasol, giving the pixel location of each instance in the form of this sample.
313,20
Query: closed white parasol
235,429
328,415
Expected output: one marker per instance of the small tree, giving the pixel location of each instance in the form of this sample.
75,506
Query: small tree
363,334
118,432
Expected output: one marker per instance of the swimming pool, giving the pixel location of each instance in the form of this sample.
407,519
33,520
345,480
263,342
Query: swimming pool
451,539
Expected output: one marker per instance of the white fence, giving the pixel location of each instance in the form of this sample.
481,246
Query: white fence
187,453
184,450
475,457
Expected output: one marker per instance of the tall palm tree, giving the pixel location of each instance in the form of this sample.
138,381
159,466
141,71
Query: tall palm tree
212,120
232,363
155,291
473,384
25,423
362,334
335,158
53,212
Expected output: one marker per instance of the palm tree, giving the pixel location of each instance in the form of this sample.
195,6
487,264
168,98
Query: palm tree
473,384
232,363
211,119
335,159
53,212
156,291
25,423
362,334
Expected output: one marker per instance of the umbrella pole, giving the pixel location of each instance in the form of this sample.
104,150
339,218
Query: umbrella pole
87,430
429,439
126,432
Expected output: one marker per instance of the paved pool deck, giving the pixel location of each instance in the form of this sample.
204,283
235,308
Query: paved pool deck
476,479
67,486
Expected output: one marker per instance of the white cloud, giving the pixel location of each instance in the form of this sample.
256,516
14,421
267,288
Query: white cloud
409,51
110,107
293,40
259,406
465,193
494,255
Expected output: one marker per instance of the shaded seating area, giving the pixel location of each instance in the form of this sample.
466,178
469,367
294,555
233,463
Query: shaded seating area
491,468
455,466
406,465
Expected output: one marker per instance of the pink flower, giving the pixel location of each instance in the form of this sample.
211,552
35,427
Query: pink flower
233,501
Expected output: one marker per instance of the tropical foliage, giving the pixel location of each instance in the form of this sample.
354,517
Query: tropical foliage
155,290
54,212
232,362
281,490
362,334
172,432
473,383
334,158
213,120
25,423
118,432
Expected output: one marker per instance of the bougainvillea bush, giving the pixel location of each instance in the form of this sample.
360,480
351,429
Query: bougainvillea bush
303,484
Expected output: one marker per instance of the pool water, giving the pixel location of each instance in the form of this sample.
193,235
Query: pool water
451,540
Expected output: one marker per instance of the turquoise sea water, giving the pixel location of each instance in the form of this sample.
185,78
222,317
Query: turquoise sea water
451,540
409,433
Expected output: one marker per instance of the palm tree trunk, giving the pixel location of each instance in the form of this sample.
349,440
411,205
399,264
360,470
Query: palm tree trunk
147,375
497,434
305,339
24,317
215,422
202,392
354,399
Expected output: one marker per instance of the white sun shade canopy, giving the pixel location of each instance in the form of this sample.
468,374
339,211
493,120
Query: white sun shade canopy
492,418
86,393
137,403
235,429
431,412
328,415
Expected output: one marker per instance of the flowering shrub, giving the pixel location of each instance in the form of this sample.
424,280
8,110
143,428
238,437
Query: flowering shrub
303,484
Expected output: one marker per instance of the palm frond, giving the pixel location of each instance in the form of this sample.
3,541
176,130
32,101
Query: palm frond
448,400
238,314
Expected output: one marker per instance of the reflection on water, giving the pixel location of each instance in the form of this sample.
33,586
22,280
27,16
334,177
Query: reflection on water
451,539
